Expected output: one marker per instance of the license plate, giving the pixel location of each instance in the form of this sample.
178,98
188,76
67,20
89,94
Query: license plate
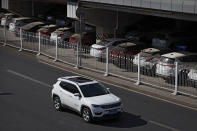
114,111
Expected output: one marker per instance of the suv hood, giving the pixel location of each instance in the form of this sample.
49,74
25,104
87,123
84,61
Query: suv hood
103,99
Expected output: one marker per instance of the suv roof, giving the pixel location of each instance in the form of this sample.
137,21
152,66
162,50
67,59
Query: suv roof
77,79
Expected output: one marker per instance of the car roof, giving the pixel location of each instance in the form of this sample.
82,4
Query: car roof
30,25
6,14
150,50
126,44
22,18
49,26
63,28
77,79
115,39
178,54
174,55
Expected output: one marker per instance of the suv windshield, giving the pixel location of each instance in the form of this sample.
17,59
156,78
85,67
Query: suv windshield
95,89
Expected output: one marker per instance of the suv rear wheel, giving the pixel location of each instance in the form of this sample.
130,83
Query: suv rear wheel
57,103
86,114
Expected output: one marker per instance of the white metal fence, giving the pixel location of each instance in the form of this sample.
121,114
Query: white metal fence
124,66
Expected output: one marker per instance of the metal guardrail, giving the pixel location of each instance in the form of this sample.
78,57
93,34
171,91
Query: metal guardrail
122,66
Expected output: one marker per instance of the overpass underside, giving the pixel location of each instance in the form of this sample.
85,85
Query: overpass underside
175,14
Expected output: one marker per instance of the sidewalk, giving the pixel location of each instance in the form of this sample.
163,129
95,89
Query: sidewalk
129,85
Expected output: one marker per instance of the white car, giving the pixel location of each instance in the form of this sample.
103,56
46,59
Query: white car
14,20
59,33
4,19
192,75
99,49
148,57
166,65
85,96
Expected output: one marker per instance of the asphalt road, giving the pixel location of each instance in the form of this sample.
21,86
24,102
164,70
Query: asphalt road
25,102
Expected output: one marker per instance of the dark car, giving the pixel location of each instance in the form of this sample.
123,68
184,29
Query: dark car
88,38
22,23
124,52
32,27
47,29
7,19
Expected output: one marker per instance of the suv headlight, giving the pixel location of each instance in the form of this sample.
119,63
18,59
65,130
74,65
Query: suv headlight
96,106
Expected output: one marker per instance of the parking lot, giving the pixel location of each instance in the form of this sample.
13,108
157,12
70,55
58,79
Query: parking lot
123,66
160,46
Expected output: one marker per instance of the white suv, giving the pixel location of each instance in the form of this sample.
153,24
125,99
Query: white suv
87,97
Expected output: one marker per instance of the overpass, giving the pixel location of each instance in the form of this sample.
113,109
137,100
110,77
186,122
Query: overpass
178,9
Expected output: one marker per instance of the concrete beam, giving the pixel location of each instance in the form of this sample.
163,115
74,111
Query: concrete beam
142,11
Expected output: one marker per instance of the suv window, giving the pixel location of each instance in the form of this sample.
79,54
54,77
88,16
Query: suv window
69,87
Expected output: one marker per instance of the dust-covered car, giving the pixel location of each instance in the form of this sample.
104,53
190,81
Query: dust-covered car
33,27
166,65
15,21
149,57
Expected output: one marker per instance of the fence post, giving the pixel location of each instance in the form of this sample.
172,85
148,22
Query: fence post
107,62
39,43
77,66
56,49
21,40
138,77
5,39
176,79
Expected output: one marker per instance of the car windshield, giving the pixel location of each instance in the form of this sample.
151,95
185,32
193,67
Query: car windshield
103,43
92,90
167,60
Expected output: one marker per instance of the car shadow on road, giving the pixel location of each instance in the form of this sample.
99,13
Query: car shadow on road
127,120
5,93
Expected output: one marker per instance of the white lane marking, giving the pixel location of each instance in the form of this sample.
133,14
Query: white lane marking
122,87
164,126
28,78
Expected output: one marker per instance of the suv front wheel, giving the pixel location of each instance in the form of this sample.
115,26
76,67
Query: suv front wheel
86,114
57,103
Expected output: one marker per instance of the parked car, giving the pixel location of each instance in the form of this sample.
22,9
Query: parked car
7,18
149,57
166,65
192,75
32,27
98,50
61,33
15,21
141,36
22,23
87,39
126,49
2,14
87,97
47,29
172,39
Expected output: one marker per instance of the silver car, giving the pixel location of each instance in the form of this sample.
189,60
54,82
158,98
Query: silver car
166,65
